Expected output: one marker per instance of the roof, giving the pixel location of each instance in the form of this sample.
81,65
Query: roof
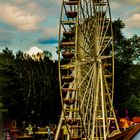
128,134
136,119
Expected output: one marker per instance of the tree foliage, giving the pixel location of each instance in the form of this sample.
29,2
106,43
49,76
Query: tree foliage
127,52
29,88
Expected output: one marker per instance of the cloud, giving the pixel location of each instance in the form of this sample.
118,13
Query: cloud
129,12
5,38
115,5
5,42
32,5
51,31
50,36
19,1
127,2
4,34
47,41
133,10
122,8
133,21
34,50
19,18
52,7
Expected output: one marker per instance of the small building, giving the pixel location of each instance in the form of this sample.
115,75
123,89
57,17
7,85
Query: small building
132,133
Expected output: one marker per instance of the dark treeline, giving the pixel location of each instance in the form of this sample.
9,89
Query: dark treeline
127,71
30,89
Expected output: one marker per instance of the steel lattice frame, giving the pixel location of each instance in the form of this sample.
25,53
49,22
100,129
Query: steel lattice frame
86,73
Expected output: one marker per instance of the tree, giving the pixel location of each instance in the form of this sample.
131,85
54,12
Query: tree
127,53
29,88
118,25
9,84
128,50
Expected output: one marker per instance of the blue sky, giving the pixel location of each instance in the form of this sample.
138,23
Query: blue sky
27,23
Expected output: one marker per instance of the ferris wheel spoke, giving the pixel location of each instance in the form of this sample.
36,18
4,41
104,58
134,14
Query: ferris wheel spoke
82,12
87,98
89,42
102,57
104,34
86,51
103,28
88,72
106,25
86,61
87,8
87,107
89,120
84,5
91,7
104,47
84,92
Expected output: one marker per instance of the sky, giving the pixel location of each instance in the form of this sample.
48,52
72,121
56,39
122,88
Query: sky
27,23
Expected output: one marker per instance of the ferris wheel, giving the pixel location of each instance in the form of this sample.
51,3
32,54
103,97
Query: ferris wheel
86,70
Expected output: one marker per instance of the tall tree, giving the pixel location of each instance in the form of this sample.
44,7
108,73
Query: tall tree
127,53
9,84
29,88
